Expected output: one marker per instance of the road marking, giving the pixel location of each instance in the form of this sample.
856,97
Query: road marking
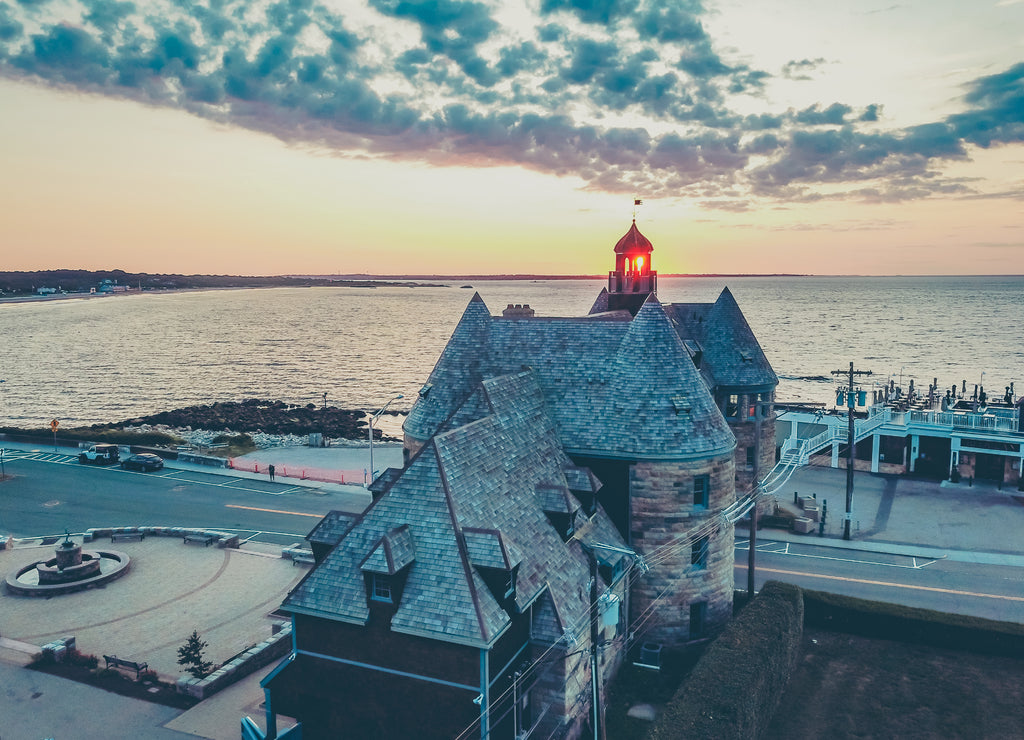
274,511
886,583
785,551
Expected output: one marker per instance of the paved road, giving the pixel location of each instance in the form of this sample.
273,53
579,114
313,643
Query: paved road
48,492
976,589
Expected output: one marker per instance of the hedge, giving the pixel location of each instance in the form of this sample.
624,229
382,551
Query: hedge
910,624
736,686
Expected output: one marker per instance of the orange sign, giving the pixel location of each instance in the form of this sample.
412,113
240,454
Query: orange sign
54,424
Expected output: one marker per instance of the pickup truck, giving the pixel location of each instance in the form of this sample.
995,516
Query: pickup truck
100,455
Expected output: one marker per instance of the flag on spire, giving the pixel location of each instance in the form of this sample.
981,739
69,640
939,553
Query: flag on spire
638,202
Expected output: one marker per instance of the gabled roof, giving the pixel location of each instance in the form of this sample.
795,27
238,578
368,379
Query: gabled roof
597,376
331,528
466,501
393,553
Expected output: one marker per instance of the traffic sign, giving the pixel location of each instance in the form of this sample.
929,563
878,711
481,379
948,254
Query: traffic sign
54,424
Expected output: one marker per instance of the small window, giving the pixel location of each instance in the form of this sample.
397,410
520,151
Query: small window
381,588
732,406
510,584
699,554
701,490
698,617
751,452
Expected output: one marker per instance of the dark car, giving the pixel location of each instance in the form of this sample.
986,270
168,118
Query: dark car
143,461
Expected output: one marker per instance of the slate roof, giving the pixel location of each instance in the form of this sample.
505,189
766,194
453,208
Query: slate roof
608,382
467,500
331,528
731,350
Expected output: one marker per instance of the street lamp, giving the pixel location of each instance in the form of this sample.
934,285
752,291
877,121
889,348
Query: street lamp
373,418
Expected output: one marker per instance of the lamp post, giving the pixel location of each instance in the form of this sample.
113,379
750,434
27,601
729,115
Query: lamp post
373,418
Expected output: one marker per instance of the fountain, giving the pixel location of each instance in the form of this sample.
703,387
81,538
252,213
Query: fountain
72,569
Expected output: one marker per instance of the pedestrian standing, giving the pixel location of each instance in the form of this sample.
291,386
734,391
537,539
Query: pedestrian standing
270,469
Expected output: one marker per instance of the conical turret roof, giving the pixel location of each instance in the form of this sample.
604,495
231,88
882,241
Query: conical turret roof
731,349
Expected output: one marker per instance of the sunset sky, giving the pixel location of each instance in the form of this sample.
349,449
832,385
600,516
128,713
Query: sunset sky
440,136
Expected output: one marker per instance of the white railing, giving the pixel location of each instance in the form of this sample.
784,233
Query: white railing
1000,422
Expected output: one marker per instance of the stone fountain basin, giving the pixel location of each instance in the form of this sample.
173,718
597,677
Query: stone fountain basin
26,580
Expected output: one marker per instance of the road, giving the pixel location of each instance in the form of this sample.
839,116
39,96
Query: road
48,492
947,585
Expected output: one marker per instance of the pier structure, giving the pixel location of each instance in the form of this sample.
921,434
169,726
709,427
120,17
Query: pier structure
963,443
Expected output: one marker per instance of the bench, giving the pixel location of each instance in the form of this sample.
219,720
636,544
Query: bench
206,539
303,557
114,536
113,660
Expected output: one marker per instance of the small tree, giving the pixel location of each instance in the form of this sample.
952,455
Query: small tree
190,655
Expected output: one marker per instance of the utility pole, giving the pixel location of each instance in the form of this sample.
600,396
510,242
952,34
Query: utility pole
595,661
752,541
851,401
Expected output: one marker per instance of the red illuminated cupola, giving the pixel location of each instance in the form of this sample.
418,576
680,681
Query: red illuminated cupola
633,279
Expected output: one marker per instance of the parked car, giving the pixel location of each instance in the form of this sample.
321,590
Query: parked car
143,461
101,454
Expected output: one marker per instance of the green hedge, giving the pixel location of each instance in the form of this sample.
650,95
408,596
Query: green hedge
908,624
734,689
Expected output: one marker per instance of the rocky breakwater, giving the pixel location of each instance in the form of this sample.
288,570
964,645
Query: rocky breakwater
252,416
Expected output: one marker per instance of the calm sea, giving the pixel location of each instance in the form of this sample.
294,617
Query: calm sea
113,358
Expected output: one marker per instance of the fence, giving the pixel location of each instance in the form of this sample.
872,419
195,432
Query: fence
301,472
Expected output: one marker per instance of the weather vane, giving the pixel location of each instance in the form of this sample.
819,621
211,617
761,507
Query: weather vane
636,204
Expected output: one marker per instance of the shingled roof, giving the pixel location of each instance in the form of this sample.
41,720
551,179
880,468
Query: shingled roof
609,382
731,349
466,501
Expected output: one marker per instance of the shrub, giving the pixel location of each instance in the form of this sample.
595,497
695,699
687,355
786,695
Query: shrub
913,625
734,689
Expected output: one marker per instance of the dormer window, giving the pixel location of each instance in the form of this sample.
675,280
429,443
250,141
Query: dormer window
381,588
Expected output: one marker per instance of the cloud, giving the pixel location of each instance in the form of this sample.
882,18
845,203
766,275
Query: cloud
628,95
802,69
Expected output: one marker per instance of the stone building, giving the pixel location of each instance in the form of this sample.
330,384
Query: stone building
663,402
544,458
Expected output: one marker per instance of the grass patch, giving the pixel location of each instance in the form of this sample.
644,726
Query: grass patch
849,685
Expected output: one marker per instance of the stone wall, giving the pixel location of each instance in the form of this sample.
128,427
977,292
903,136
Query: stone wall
663,522
745,433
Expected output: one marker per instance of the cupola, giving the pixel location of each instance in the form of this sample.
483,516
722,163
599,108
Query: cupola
633,278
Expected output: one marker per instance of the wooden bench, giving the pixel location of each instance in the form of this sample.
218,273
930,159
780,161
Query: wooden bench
206,539
113,660
114,536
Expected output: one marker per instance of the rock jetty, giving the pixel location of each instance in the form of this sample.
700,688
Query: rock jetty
255,415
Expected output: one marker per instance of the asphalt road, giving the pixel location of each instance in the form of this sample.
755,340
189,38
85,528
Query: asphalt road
45,495
989,591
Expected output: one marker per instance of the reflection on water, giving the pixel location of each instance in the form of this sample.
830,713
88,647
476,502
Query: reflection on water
107,359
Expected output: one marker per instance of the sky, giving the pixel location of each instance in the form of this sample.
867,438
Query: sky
394,137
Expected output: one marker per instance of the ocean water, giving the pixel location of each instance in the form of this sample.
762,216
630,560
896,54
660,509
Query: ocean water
114,358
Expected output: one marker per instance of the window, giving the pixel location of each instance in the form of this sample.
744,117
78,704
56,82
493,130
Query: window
701,489
381,588
699,554
751,452
732,406
510,584
766,404
698,616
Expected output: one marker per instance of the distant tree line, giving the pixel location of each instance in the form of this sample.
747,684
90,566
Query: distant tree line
80,281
